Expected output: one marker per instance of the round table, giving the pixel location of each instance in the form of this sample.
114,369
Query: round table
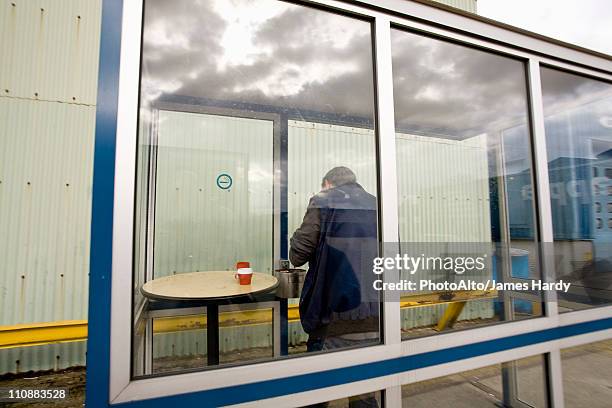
208,285
211,287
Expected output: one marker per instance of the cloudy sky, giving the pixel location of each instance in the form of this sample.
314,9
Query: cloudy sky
311,62
587,23
263,52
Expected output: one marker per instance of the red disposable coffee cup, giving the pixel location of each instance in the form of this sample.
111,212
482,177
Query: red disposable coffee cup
242,264
244,276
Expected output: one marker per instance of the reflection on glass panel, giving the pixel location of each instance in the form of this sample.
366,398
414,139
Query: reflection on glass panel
180,342
256,146
578,120
464,176
587,375
520,383
523,309
369,400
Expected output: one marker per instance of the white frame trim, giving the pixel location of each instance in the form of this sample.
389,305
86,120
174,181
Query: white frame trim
423,18
123,217
387,191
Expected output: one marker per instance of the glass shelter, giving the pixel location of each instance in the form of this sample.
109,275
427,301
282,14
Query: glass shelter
274,164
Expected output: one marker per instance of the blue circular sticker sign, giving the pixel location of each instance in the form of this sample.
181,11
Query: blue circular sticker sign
224,181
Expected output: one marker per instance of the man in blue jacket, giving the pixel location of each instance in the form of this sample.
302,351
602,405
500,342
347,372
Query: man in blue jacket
338,239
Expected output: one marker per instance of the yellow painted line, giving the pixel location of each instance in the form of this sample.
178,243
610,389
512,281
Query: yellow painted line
37,334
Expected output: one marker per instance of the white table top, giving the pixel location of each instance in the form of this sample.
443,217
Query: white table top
206,285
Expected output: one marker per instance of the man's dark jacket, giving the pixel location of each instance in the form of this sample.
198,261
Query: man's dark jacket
338,238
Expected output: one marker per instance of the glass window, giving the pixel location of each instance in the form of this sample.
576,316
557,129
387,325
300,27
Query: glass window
520,383
578,138
587,374
256,147
464,181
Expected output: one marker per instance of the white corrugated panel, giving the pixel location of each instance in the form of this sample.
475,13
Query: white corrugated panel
48,79
443,189
198,225
50,49
46,153
42,358
467,5
316,148
443,196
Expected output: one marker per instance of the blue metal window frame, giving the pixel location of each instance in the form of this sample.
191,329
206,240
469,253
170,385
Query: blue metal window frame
98,361
98,338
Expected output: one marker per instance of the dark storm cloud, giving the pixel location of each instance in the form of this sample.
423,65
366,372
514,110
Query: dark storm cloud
561,88
455,90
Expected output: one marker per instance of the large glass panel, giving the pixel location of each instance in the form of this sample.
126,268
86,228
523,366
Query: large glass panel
517,384
464,184
578,120
587,375
256,145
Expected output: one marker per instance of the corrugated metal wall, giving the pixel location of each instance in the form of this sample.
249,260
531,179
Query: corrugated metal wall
443,189
48,79
198,225
467,5
443,196
314,149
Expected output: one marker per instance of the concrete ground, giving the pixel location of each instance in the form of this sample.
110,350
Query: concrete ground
587,383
